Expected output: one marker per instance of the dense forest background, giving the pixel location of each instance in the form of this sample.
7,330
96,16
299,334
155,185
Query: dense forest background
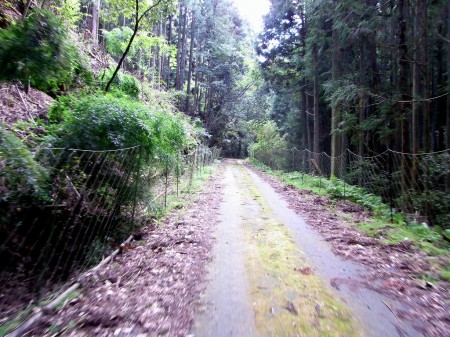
200,52
365,75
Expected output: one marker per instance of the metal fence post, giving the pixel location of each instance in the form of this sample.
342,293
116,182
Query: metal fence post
178,172
136,186
166,184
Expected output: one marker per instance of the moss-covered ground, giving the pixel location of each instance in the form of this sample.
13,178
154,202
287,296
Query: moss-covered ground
288,298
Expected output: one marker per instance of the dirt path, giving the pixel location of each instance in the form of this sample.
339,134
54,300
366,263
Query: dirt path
272,275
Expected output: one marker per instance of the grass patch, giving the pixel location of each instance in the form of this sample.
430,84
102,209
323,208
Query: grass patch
57,329
70,296
15,322
445,274
187,189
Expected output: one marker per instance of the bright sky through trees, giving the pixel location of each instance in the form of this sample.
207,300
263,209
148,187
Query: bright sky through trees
253,11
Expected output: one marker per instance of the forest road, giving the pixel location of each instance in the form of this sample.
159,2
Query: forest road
272,275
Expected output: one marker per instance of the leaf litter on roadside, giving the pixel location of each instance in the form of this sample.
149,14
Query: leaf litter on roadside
153,288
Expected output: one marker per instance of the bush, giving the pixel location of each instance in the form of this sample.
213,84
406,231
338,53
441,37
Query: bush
127,84
340,190
60,107
108,122
427,194
24,186
117,40
93,194
36,52
269,147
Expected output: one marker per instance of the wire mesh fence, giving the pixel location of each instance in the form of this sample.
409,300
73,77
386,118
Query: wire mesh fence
93,201
416,184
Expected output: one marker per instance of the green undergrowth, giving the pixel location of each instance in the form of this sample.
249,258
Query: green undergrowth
445,274
187,190
39,51
334,188
15,322
389,228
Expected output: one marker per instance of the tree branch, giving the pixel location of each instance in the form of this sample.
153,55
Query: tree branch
425,99
149,9
441,37
136,28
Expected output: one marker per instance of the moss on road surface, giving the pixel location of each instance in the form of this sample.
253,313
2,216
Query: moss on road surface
256,260
288,298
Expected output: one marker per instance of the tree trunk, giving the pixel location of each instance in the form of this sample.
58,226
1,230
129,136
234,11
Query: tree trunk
335,109
160,56
181,52
316,100
447,127
303,116
308,121
95,21
197,90
425,76
403,73
304,107
191,57
169,42
27,7
362,98
179,43
404,88
184,50
419,106
372,80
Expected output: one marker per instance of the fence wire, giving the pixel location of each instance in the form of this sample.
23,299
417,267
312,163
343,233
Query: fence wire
93,202
416,184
